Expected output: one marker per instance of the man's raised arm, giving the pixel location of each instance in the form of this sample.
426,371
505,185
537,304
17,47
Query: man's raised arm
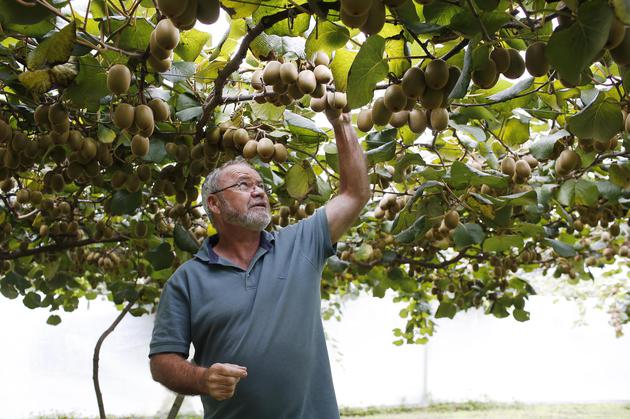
354,188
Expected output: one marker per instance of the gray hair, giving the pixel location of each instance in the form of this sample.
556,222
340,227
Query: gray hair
211,184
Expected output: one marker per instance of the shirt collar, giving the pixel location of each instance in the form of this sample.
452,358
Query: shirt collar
208,255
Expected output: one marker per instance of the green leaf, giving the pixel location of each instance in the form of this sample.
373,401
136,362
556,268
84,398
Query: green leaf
35,30
37,81
299,180
124,202
32,300
368,68
396,52
157,151
520,315
133,37
513,91
516,132
191,43
382,153
502,243
620,175
600,120
326,37
53,50
160,257
461,87
402,164
184,240
463,174
286,27
189,114
440,12
238,9
53,320
570,51
303,128
332,157
542,148
562,249
468,234
622,10
578,192
13,12
90,85
446,309
8,291
340,67
414,232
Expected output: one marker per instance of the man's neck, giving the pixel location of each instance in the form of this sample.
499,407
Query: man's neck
237,244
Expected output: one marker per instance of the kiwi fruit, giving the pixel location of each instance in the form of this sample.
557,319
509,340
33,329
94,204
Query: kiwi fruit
535,59
451,219
208,11
156,50
166,35
227,141
6,132
395,98
501,58
213,135
257,81
616,34
380,113
364,120
241,137
306,81
280,153
323,75
188,18
320,91
399,119
375,18
124,116
436,74
161,110
57,182
486,75
353,21
75,140
431,98
294,92
417,121
318,104
355,7
566,162
621,53
118,79
439,119
59,137
271,73
172,8
250,149
160,66
517,65
265,148
41,117
531,160
522,169
143,117
413,82
508,166
288,73
320,58
280,88
57,114
139,145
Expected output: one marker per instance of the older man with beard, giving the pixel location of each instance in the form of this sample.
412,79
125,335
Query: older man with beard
249,300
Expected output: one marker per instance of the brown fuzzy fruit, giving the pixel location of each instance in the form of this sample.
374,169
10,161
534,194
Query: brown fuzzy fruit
124,116
172,8
320,91
413,82
486,75
323,75
501,58
166,34
380,113
265,148
621,54
318,104
336,100
522,168
616,34
156,50
517,65
250,149
288,72
436,74
57,182
118,79
160,66
306,81
41,117
364,120
536,60
508,166
161,110
241,137
395,98
280,153
451,219
431,99
439,119
6,132
208,11
57,114
417,121
376,18
320,58
399,118
257,81
531,160
271,73
566,162
356,7
353,21
139,145
143,117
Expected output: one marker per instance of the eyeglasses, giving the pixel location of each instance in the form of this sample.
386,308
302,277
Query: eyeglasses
246,186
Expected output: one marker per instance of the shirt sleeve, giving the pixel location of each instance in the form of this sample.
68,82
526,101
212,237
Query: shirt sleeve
314,238
171,331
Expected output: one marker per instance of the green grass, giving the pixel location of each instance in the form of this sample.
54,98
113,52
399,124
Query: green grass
466,410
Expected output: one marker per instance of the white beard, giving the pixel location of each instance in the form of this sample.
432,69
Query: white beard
255,218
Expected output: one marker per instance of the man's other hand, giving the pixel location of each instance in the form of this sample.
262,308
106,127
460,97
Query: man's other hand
336,118
220,380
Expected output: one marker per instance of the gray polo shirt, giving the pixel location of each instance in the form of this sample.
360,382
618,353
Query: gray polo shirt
266,318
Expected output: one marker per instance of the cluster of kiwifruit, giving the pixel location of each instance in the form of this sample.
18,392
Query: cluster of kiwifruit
399,105
57,221
519,170
131,181
502,264
507,61
445,228
107,260
282,83
390,205
140,122
17,151
164,39
185,13
296,211
568,161
230,136
589,144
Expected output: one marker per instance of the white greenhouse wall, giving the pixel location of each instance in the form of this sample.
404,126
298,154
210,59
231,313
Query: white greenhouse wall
48,369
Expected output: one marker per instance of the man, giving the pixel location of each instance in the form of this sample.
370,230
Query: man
249,300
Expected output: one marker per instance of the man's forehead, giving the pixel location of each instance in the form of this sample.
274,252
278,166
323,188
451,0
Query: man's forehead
240,170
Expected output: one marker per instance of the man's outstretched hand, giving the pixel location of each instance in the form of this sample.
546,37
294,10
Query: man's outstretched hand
220,380
337,119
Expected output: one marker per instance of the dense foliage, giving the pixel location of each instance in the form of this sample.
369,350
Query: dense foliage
496,134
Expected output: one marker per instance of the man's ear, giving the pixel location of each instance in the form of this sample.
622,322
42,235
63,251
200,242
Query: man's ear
213,204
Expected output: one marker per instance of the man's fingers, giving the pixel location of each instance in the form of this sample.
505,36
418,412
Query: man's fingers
231,370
